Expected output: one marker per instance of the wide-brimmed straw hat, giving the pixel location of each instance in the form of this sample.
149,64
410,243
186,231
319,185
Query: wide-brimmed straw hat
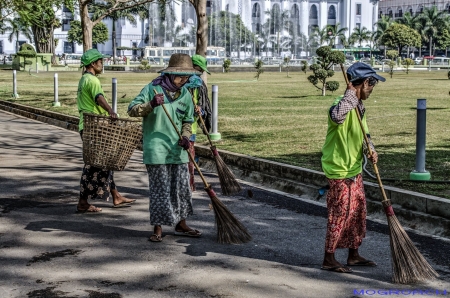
180,64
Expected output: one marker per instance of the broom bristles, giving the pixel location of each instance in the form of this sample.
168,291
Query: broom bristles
228,182
229,229
408,264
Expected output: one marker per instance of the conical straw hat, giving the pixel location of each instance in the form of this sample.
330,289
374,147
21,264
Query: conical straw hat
180,64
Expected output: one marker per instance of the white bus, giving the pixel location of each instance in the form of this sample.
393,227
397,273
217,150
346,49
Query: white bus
160,55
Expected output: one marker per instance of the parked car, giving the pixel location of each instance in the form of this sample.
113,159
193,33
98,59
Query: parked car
418,60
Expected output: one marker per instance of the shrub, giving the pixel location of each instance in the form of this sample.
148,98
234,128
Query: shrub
144,65
259,68
226,65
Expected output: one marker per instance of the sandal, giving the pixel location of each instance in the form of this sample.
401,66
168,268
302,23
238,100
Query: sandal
90,210
189,233
155,238
338,269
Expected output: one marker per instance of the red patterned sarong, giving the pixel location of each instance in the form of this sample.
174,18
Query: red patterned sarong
191,167
346,204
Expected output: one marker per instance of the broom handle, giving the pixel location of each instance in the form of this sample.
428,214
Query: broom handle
188,152
375,167
203,125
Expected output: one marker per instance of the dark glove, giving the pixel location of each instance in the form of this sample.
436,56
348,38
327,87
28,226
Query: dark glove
184,142
157,100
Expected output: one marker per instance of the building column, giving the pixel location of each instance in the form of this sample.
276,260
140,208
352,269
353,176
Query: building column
304,17
323,14
374,13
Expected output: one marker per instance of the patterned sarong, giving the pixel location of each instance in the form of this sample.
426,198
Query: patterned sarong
346,204
170,194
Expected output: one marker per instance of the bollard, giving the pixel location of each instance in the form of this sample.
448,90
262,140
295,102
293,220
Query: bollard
114,95
55,103
15,95
215,136
419,172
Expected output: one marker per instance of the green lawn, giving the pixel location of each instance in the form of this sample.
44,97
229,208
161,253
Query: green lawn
285,119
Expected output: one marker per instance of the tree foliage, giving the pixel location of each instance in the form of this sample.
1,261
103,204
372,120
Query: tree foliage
259,68
99,33
398,36
407,63
322,69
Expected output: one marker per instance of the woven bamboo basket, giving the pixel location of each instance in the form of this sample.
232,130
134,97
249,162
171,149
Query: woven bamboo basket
109,144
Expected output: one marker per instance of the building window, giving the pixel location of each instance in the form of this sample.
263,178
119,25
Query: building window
313,12
66,9
358,25
358,9
1,46
332,13
134,47
68,47
66,24
258,28
256,11
295,11
227,7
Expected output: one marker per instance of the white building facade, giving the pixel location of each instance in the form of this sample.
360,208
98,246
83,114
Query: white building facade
304,14
396,9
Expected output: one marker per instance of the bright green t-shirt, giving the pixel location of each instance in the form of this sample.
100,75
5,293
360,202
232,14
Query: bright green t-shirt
160,142
89,88
342,152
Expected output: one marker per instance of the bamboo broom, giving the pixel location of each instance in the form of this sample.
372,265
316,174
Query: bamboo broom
229,229
228,182
408,264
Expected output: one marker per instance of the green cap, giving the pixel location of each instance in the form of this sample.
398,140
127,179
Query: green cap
90,56
200,61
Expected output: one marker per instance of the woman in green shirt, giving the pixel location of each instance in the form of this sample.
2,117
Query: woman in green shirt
165,154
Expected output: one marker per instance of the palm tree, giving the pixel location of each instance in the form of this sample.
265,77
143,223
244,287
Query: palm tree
412,22
432,20
347,42
360,34
382,25
320,35
99,9
16,27
335,31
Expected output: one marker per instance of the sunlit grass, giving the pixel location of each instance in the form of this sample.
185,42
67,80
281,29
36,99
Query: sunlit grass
285,119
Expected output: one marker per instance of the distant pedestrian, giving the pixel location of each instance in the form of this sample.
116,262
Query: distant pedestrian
95,183
165,155
342,163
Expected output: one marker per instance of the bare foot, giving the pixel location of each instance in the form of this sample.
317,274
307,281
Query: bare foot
88,208
118,199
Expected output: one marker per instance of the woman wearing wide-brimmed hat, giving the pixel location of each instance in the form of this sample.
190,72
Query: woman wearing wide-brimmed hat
165,154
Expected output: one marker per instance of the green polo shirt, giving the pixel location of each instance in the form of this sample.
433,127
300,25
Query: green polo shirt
160,140
89,88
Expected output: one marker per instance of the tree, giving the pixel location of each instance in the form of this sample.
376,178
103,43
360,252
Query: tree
443,39
335,31
382,25
320,35
88,22
392,54
360,35
99,8
398,36
15,27
99,33
412,22
407,63
259,68
322,69
40,15
432,20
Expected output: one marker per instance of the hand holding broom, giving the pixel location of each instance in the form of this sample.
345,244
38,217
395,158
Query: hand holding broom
408,264
229,229
228,182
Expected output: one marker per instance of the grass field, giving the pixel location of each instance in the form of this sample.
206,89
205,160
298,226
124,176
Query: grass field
284,118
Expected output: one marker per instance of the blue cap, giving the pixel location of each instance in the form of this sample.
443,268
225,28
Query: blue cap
361,70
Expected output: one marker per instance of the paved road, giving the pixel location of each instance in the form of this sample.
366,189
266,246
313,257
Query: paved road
47,250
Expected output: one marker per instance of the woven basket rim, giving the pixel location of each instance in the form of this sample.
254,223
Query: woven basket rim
107,117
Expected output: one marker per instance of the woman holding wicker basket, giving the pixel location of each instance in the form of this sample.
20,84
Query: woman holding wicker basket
95,182
165,154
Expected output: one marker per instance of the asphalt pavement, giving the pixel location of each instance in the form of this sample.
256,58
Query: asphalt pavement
48,250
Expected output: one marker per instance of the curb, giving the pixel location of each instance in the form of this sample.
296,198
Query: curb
426,213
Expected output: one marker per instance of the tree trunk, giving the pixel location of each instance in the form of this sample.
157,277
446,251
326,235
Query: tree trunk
45,40
430,46
114,40
86,25
202,29
324,89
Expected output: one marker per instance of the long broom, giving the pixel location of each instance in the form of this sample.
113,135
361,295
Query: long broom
408,264
228,182
229,229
